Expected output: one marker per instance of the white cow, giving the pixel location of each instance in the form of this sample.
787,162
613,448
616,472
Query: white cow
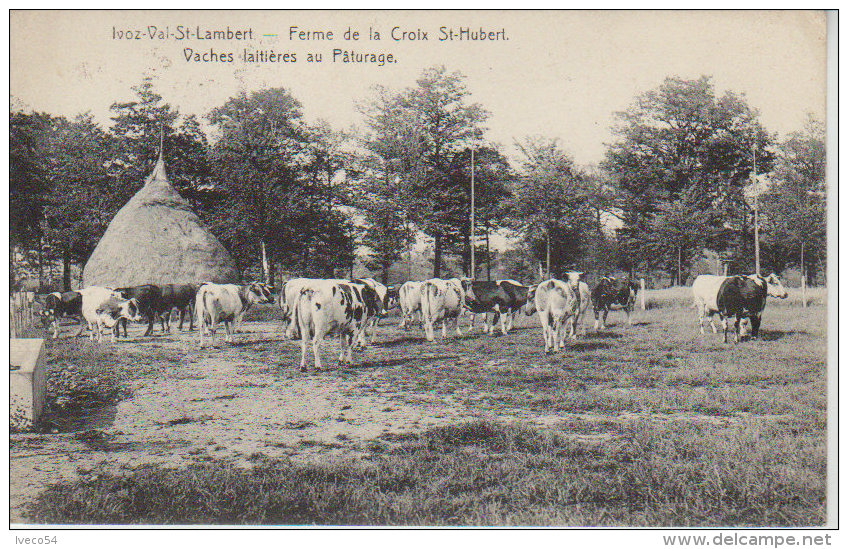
289,297
704,293
333,307
227,303
409,297
556,303
103,307
441,300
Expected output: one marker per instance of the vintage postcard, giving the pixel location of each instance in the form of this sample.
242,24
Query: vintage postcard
422,269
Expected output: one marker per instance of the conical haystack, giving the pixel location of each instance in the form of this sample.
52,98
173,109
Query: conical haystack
156,239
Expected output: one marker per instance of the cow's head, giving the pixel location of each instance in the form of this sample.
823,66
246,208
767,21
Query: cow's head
392,297
774,288
574,278
259,292
116,308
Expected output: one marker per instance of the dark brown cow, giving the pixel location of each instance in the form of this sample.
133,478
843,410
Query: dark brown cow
613,293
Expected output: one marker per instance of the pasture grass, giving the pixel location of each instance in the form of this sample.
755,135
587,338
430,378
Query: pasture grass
683,430
485,474
681,296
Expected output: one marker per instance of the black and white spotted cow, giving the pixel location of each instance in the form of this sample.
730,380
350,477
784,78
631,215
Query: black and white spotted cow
504,298
331,306
744,296
60,305
441,300
227,303
613,293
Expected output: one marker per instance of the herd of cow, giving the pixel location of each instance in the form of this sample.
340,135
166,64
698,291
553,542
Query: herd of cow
313,309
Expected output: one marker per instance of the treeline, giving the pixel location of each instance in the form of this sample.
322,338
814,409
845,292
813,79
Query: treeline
287,197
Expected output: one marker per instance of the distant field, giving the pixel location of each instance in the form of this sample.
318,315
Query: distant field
649,425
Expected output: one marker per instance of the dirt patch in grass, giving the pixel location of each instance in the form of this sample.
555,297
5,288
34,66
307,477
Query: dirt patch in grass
480,473
471,402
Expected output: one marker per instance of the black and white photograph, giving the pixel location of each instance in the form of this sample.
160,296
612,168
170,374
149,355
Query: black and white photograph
423,269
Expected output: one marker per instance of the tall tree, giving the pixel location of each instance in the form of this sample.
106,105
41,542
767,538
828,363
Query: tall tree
680,140
552,204
426,126
82,198
795,206
139,126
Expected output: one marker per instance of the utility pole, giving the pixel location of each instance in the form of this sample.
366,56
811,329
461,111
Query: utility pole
471,235
756,215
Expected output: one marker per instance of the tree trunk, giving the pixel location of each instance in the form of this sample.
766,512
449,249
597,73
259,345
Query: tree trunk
41,263
66,271
466,257
272,272
384,274
265,269
548,253
803,277
437,256
679,266
488,256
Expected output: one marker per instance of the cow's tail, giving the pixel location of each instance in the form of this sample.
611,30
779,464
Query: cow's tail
302,314
200,311
429,293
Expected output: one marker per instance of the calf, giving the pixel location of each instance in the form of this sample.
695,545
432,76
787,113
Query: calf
58,305
180,297
611,293
149,298
441,300
745,297
329,307
227,303
409,299
106,307
556,303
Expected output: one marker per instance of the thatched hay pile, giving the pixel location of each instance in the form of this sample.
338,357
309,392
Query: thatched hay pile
156,239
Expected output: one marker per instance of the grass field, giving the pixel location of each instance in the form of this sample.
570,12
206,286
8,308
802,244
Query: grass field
649,425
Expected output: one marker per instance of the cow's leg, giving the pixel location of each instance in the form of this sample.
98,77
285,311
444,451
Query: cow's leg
456,326
55,326
444,328
573,325
304,346
229,326
502,318
316,347
629,310
604,319
755,326
736,326
471,323
349,350
597,318
545,321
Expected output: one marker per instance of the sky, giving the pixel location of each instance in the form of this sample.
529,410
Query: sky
557,74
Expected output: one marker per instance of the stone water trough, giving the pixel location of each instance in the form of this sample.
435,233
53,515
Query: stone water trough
27,382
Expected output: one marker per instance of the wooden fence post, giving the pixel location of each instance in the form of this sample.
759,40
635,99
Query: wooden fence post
642,282
804,290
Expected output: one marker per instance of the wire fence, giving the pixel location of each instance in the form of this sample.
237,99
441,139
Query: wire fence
22,311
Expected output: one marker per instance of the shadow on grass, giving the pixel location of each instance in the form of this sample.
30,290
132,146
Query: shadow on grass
602,335
774,335
403,340
587,345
